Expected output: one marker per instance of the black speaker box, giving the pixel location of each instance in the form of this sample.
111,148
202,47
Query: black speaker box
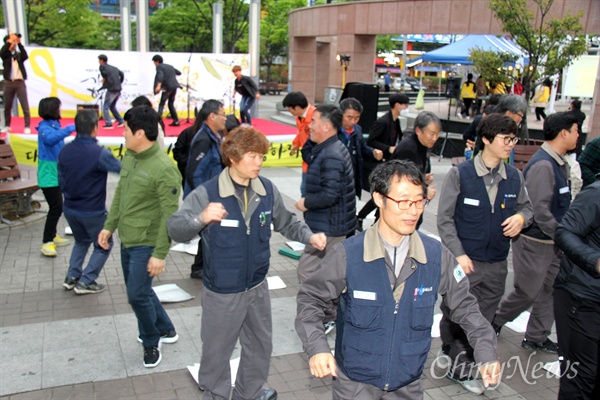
453,87
368,95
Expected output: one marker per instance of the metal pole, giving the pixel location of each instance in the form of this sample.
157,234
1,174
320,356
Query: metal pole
125,25
22,22
254,46
143,35
218,27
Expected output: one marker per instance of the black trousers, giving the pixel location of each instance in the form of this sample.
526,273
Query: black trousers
168,95
54,198
540,112
578,331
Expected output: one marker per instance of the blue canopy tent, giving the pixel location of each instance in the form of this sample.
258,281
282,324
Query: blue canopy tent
458,52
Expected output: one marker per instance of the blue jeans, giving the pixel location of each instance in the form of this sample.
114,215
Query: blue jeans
245,106
153,320
110,102
85,231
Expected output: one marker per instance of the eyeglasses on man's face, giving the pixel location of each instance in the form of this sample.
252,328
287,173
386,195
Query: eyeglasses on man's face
406,204
508,139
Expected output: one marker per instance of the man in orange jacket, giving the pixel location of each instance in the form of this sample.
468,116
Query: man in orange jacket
302,110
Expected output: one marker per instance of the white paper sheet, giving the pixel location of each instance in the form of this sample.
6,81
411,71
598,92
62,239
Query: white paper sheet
275,282
233,364
296,246
519,324
171,293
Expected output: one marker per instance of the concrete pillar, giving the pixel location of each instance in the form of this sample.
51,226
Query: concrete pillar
217,27
593,127
254,45
303,63
125,25
143,32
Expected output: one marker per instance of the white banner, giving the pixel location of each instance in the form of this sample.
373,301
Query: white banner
73,76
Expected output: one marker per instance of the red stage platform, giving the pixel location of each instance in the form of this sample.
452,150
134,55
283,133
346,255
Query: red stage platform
269,128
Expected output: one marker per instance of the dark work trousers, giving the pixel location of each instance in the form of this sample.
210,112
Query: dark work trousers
197,265
345,389
170,96
54,198
540,112
225,318
19,89
468,103
578,331
486,283
536,266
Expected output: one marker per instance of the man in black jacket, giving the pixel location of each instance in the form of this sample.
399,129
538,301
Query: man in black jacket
166,81
112,77
13,56
385,135
246,87
577,296
416,144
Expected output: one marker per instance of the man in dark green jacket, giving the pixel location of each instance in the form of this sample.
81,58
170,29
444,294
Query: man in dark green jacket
147,194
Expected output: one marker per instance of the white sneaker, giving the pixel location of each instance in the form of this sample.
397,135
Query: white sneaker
329,326
27,130
5,129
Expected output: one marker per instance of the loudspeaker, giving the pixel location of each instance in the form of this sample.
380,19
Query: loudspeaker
368,95
453,87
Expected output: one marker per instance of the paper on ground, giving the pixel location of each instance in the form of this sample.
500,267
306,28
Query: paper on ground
553,367
519,324
296,246
190,247
233,364
68,230
171,293
275,282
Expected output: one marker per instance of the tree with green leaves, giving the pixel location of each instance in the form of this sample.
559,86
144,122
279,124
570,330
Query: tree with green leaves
59,23
186,25
494,65
274,30
551,44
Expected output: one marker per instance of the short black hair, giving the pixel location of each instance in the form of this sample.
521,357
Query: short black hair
85,122
157,58
493,125
576,104
144,118
103,57
555,123
351,104
380,180
49,108
398,98
295,99
331,113
211,106
141,101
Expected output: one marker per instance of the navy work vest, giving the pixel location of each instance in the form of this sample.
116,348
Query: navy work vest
237,258
560,201
478,225
84,184
381,342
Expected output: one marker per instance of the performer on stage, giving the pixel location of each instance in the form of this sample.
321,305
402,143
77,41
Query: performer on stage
246,87
166,81
13,56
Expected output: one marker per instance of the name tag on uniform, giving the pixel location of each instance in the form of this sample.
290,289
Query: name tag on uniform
359,294
471,202
230,223
563,190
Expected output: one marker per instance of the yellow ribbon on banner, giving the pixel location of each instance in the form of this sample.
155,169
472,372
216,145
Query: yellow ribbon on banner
278,155
45,55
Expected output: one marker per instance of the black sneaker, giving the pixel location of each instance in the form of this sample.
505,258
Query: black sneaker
168,338
108,127
174,123
359,226
121,124
268,394
82,288
70,283
152,357
472,385
547,346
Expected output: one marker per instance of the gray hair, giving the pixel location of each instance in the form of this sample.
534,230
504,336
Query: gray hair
425,118
513,103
